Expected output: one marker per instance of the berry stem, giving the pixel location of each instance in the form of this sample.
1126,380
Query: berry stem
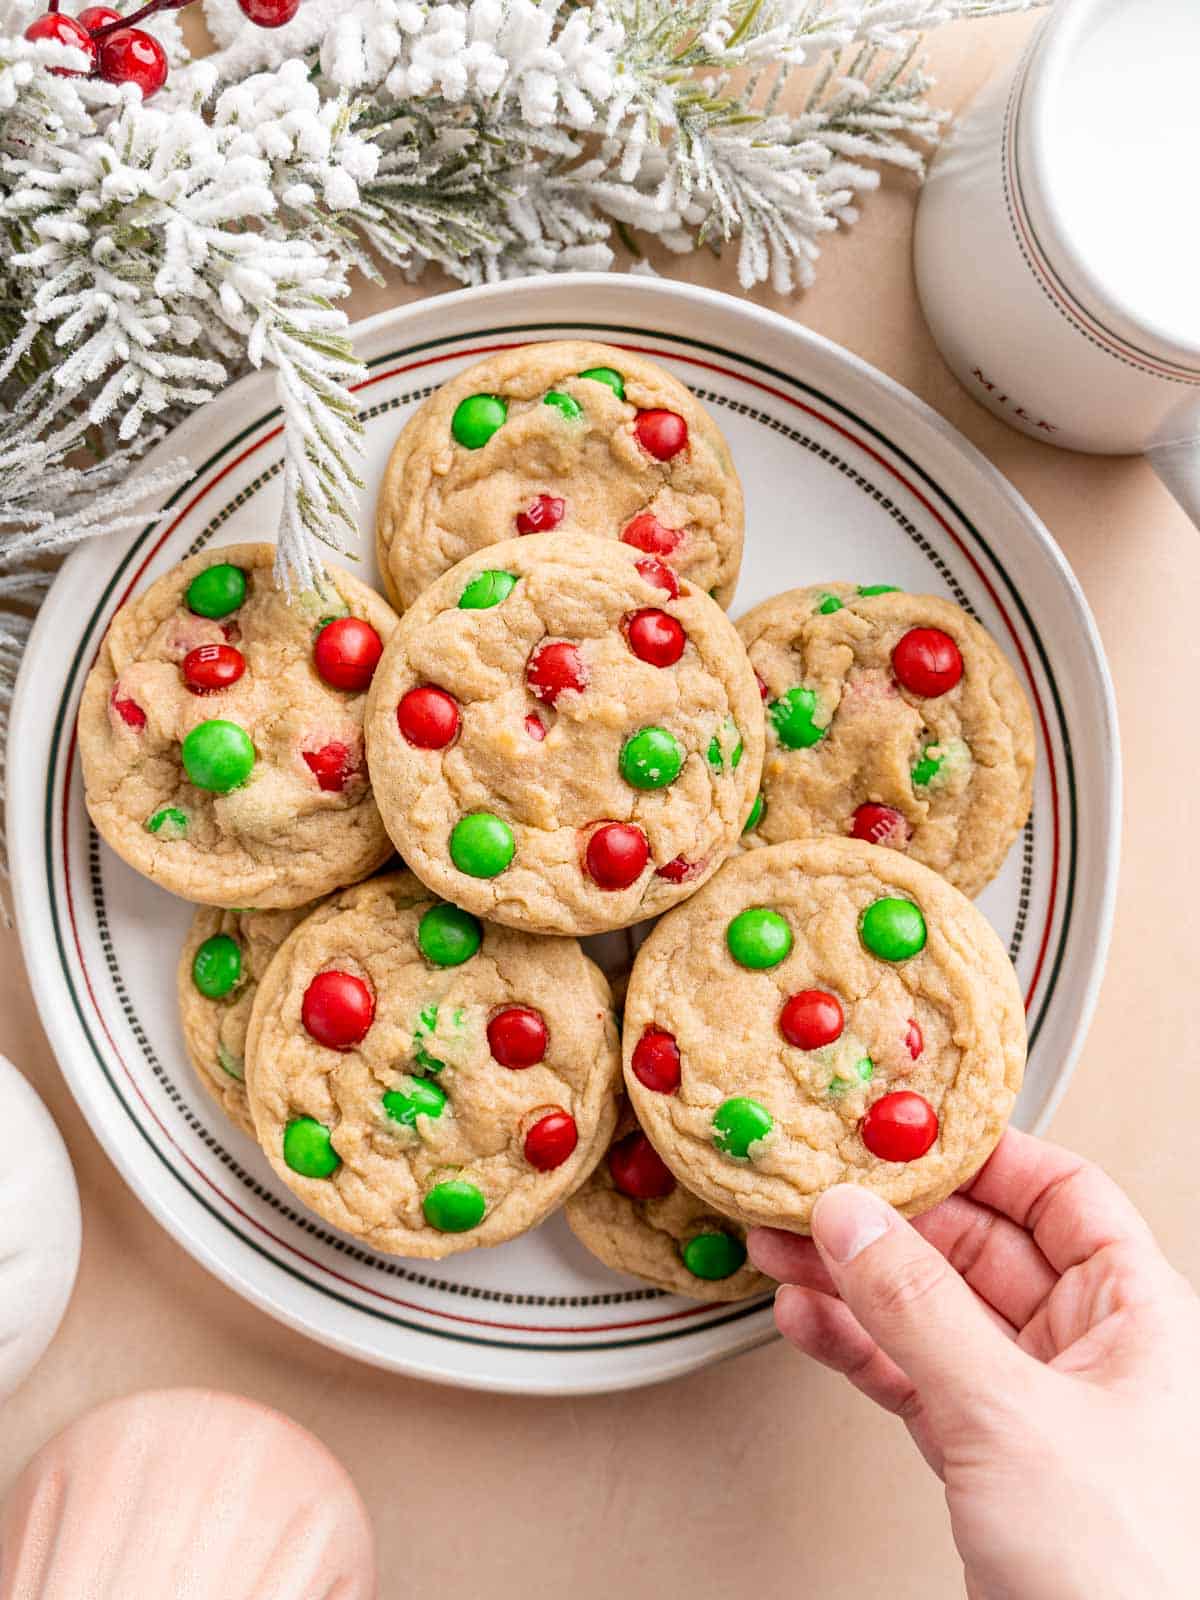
148,10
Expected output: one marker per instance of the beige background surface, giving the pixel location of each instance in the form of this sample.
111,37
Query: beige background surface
764,1477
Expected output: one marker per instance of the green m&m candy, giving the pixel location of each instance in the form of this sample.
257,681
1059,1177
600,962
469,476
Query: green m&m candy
564,404
477,418
713,1255
893,929
425,1028
230,1064
217,966
864,1071
447,935
486,589
454,1207
216,591
421,1099
926,769
481,844
651,759
828,605
739,1123
609,377
716,758
169,823
869,589
792,718
758,938
308,1148
756,811
218,755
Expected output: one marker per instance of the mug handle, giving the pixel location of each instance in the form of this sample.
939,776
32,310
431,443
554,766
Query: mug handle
1178,466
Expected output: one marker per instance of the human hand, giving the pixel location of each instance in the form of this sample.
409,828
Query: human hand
1041,1351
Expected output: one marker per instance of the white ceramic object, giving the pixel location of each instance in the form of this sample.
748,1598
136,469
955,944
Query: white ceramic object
185,1494
39,1228
846,476
1057,237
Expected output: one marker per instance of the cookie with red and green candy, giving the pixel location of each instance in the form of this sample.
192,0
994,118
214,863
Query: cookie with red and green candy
221,964
892,718
823,1012
636,1217
564,737
567,435
425,1081
221,732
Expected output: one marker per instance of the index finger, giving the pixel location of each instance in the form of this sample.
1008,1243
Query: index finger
1070,1206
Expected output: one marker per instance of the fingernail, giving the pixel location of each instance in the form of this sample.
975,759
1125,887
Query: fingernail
846,1219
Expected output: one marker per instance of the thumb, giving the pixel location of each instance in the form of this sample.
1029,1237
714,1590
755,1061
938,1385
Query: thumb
910,1299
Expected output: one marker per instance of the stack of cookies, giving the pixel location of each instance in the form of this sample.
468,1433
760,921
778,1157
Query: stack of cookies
561,733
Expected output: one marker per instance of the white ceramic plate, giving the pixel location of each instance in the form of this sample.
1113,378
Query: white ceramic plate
847,477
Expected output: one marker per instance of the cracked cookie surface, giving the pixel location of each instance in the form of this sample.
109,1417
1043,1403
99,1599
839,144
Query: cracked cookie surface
522,442
222,962
473,1084
559,743
894,718
836,1013
624,1217
217,759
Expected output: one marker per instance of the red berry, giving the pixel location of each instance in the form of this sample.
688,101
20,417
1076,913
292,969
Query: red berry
914,1038
96,17
333,766
346,653
927,662
270,13
64,30
762,686
661,434
210,667
544,511
337,1009
551,1140
128,710
638,1170
535,727
900,1127
517,1037
880,825
811,1019
647,533
655,636
131,55
657,573
655,1061
679,869
428,717
555,668
616,855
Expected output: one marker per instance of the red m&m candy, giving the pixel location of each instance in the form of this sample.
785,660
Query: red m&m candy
900,1127
661,434
679,869
333,765
659,574
879,824
346,653
130,713
927,662
555,668
551,1140
647,533
210,667
544,511
337,1009
616,855
914,1038
518,1037
638,1170
655,636
428,717
655,1061
811,1019
535,727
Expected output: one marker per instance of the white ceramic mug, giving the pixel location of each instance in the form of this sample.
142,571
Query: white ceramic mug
1057,244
